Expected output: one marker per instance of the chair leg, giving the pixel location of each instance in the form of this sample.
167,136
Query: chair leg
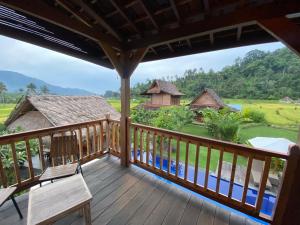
17,207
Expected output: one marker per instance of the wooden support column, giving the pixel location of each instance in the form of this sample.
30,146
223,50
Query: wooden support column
125,62
283,30
288,202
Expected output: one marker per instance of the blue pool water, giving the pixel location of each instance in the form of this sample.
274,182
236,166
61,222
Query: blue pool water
268,199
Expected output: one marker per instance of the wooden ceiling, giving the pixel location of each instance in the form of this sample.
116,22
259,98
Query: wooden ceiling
169,28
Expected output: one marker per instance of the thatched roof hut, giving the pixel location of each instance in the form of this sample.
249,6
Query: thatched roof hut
207,99
163,93
286,99
36,112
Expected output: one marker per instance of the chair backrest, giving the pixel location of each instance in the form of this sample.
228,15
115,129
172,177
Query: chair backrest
64,149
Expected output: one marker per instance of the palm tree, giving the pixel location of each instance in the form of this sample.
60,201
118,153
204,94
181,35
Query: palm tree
3,89
44,89
31,88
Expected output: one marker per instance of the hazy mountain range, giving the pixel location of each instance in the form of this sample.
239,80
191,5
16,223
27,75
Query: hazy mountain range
15,81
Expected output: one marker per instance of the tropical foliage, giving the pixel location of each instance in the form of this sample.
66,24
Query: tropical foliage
172,118
222,124
259,75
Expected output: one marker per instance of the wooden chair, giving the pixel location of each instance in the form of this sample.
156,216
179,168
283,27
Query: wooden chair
63,151
5,194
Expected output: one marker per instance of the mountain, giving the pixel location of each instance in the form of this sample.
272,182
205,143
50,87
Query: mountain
15,81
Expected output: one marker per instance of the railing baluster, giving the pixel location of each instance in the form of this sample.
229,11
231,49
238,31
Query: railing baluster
169,154
233,167
177,156
41,152
16,164
196,164
113,139
118,138
186,166
161,152
263,184
207,167
2,174
95,139
247,178
101,137
154,150
29,159
141,145
135,145
88,147
80,143
147,147
63,148
219,171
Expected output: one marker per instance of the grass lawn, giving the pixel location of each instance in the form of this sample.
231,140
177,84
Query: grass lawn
5,110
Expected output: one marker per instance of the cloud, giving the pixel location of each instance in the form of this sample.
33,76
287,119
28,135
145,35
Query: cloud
66,71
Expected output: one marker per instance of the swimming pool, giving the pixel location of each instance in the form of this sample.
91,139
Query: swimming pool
237,192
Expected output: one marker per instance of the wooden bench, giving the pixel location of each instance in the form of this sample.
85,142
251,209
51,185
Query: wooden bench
52,202
5,194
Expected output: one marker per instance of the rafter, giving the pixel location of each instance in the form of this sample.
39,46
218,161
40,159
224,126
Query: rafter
49,14
150,16
122,12
99,19
175,10
170,47
244,16
66,5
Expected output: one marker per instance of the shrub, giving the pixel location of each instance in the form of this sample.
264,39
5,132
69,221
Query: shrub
223,125
254,116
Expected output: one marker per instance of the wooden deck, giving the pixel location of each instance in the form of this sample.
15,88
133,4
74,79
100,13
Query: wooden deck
134,196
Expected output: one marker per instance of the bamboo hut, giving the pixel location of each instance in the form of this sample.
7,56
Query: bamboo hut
162,93
207,99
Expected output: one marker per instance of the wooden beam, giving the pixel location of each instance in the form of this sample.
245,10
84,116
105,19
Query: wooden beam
243,16
66,5
211,38
122,12
125,63
175,10
149,14
41,10
206,5
239,33
27,37
283,30
99,19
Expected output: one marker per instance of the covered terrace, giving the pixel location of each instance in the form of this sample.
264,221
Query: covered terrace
120,35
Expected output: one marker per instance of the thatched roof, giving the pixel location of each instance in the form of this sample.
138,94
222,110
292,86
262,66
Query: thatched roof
63,110
219,103
160,86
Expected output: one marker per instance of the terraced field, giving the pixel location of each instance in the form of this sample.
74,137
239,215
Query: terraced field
5,110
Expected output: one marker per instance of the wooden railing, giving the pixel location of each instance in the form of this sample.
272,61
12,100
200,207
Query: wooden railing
187,161
184,159
91,143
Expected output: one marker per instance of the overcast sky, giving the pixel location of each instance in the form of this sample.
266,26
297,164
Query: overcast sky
66,71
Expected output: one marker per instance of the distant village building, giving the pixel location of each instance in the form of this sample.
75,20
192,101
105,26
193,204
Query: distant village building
37,112
286,100
162,93
207,99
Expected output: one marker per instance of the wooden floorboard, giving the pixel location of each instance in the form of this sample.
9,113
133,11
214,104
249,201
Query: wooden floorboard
133,196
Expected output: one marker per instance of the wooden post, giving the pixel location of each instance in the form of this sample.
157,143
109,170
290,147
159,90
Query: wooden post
107,128
125,62
288,202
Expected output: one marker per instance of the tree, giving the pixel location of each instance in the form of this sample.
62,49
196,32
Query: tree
44,89
3,89
31,88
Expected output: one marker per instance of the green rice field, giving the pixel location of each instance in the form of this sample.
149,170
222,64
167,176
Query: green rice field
5,110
